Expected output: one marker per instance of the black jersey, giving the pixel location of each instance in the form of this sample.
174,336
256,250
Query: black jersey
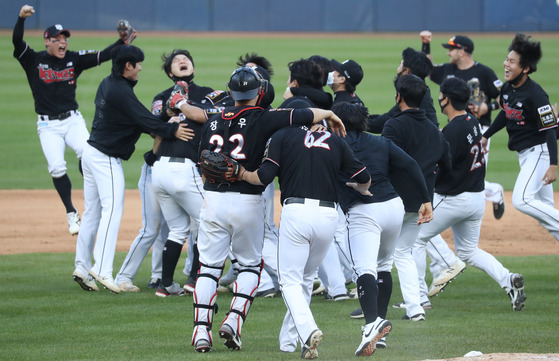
52,80
381,157
421,140
375,122
526,113
467,174
242,132
489,83
120,118
316,97
345,96
308,164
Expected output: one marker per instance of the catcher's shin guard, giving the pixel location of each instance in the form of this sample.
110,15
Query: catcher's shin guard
243,295
205,295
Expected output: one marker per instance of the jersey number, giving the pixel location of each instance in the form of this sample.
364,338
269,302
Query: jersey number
310,141
478,160
218,141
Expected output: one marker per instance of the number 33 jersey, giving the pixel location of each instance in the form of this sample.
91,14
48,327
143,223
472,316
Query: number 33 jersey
467,174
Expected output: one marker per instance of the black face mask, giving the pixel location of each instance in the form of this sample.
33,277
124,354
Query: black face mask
187,79
517,79
443,106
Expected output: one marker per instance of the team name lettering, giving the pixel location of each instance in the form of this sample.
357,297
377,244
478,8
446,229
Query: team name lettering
50,76
512,113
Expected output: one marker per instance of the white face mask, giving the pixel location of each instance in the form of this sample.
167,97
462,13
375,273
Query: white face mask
330,80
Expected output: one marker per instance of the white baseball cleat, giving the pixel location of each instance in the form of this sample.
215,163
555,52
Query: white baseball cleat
444,277
85,282
372,333
128,287
73,223
309,350
107,281
517,294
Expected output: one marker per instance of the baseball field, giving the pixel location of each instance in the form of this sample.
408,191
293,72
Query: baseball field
45,315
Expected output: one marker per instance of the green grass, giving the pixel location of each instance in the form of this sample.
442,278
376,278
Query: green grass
46,316
21,158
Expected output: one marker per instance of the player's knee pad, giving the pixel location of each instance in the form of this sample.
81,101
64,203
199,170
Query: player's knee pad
243,294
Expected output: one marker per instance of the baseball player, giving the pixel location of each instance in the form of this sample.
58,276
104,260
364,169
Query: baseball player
119,120
232,216
459,200
374,223
344,80
485,89
52,75
308,219
530,122
412,131
304,86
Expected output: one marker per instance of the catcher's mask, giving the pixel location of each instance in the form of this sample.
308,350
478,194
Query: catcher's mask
245,84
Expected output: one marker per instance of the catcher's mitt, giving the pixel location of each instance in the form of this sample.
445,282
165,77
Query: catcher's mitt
477,96
126,31
218,167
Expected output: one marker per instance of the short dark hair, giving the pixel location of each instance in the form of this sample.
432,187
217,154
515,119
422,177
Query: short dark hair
168,59
530,51
354,116
411,88
307,73
324,63
126,54
457,92
256,59
418,62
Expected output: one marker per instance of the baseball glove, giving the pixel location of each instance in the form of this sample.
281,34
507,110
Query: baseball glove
126,32
477,96
218,167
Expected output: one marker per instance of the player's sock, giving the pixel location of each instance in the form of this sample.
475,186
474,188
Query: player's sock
171,254
195,262
63,186
384,283
368,294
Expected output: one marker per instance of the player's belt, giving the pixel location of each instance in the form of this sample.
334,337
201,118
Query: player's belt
60,116
291,200
172,159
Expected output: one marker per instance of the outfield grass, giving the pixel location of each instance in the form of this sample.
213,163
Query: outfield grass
47,316
22,161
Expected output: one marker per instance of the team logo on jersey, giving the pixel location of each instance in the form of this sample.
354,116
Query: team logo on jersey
547,117
511,113
51,76
498,83
544,109
229,114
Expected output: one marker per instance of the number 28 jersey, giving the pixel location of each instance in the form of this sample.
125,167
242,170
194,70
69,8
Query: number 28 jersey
467,174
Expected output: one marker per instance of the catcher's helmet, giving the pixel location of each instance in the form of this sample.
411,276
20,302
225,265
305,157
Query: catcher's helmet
245,84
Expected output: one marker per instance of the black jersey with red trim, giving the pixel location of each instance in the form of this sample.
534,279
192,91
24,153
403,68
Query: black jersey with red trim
467,174
308,164
528,114
53,81
412,131
176,147
242,132
345,96
489,83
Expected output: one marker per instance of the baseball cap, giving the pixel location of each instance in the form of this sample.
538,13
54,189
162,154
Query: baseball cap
54,30
350,69
460,42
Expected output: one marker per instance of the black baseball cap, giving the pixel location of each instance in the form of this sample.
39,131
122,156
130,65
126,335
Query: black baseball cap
350,69
54,30
460,42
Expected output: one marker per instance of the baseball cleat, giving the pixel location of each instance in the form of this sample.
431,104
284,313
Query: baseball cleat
426,305
73,223
445,277
232,340
309,351
415,318
358,313
173,290
372,333
106,281
381,343
517,294
499,207
154,283
87,283
190,285
128,287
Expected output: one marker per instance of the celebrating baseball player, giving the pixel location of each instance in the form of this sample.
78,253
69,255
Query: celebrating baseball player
120,119
344,80
308,219
374,223
459,200
484,85
232,216
52,75
531,125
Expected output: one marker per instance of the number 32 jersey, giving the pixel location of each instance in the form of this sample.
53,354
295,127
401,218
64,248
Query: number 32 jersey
467,174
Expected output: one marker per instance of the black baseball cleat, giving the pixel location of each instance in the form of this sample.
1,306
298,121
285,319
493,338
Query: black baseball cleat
498,209
232,340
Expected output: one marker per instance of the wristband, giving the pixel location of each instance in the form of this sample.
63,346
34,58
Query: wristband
426,48
494,105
